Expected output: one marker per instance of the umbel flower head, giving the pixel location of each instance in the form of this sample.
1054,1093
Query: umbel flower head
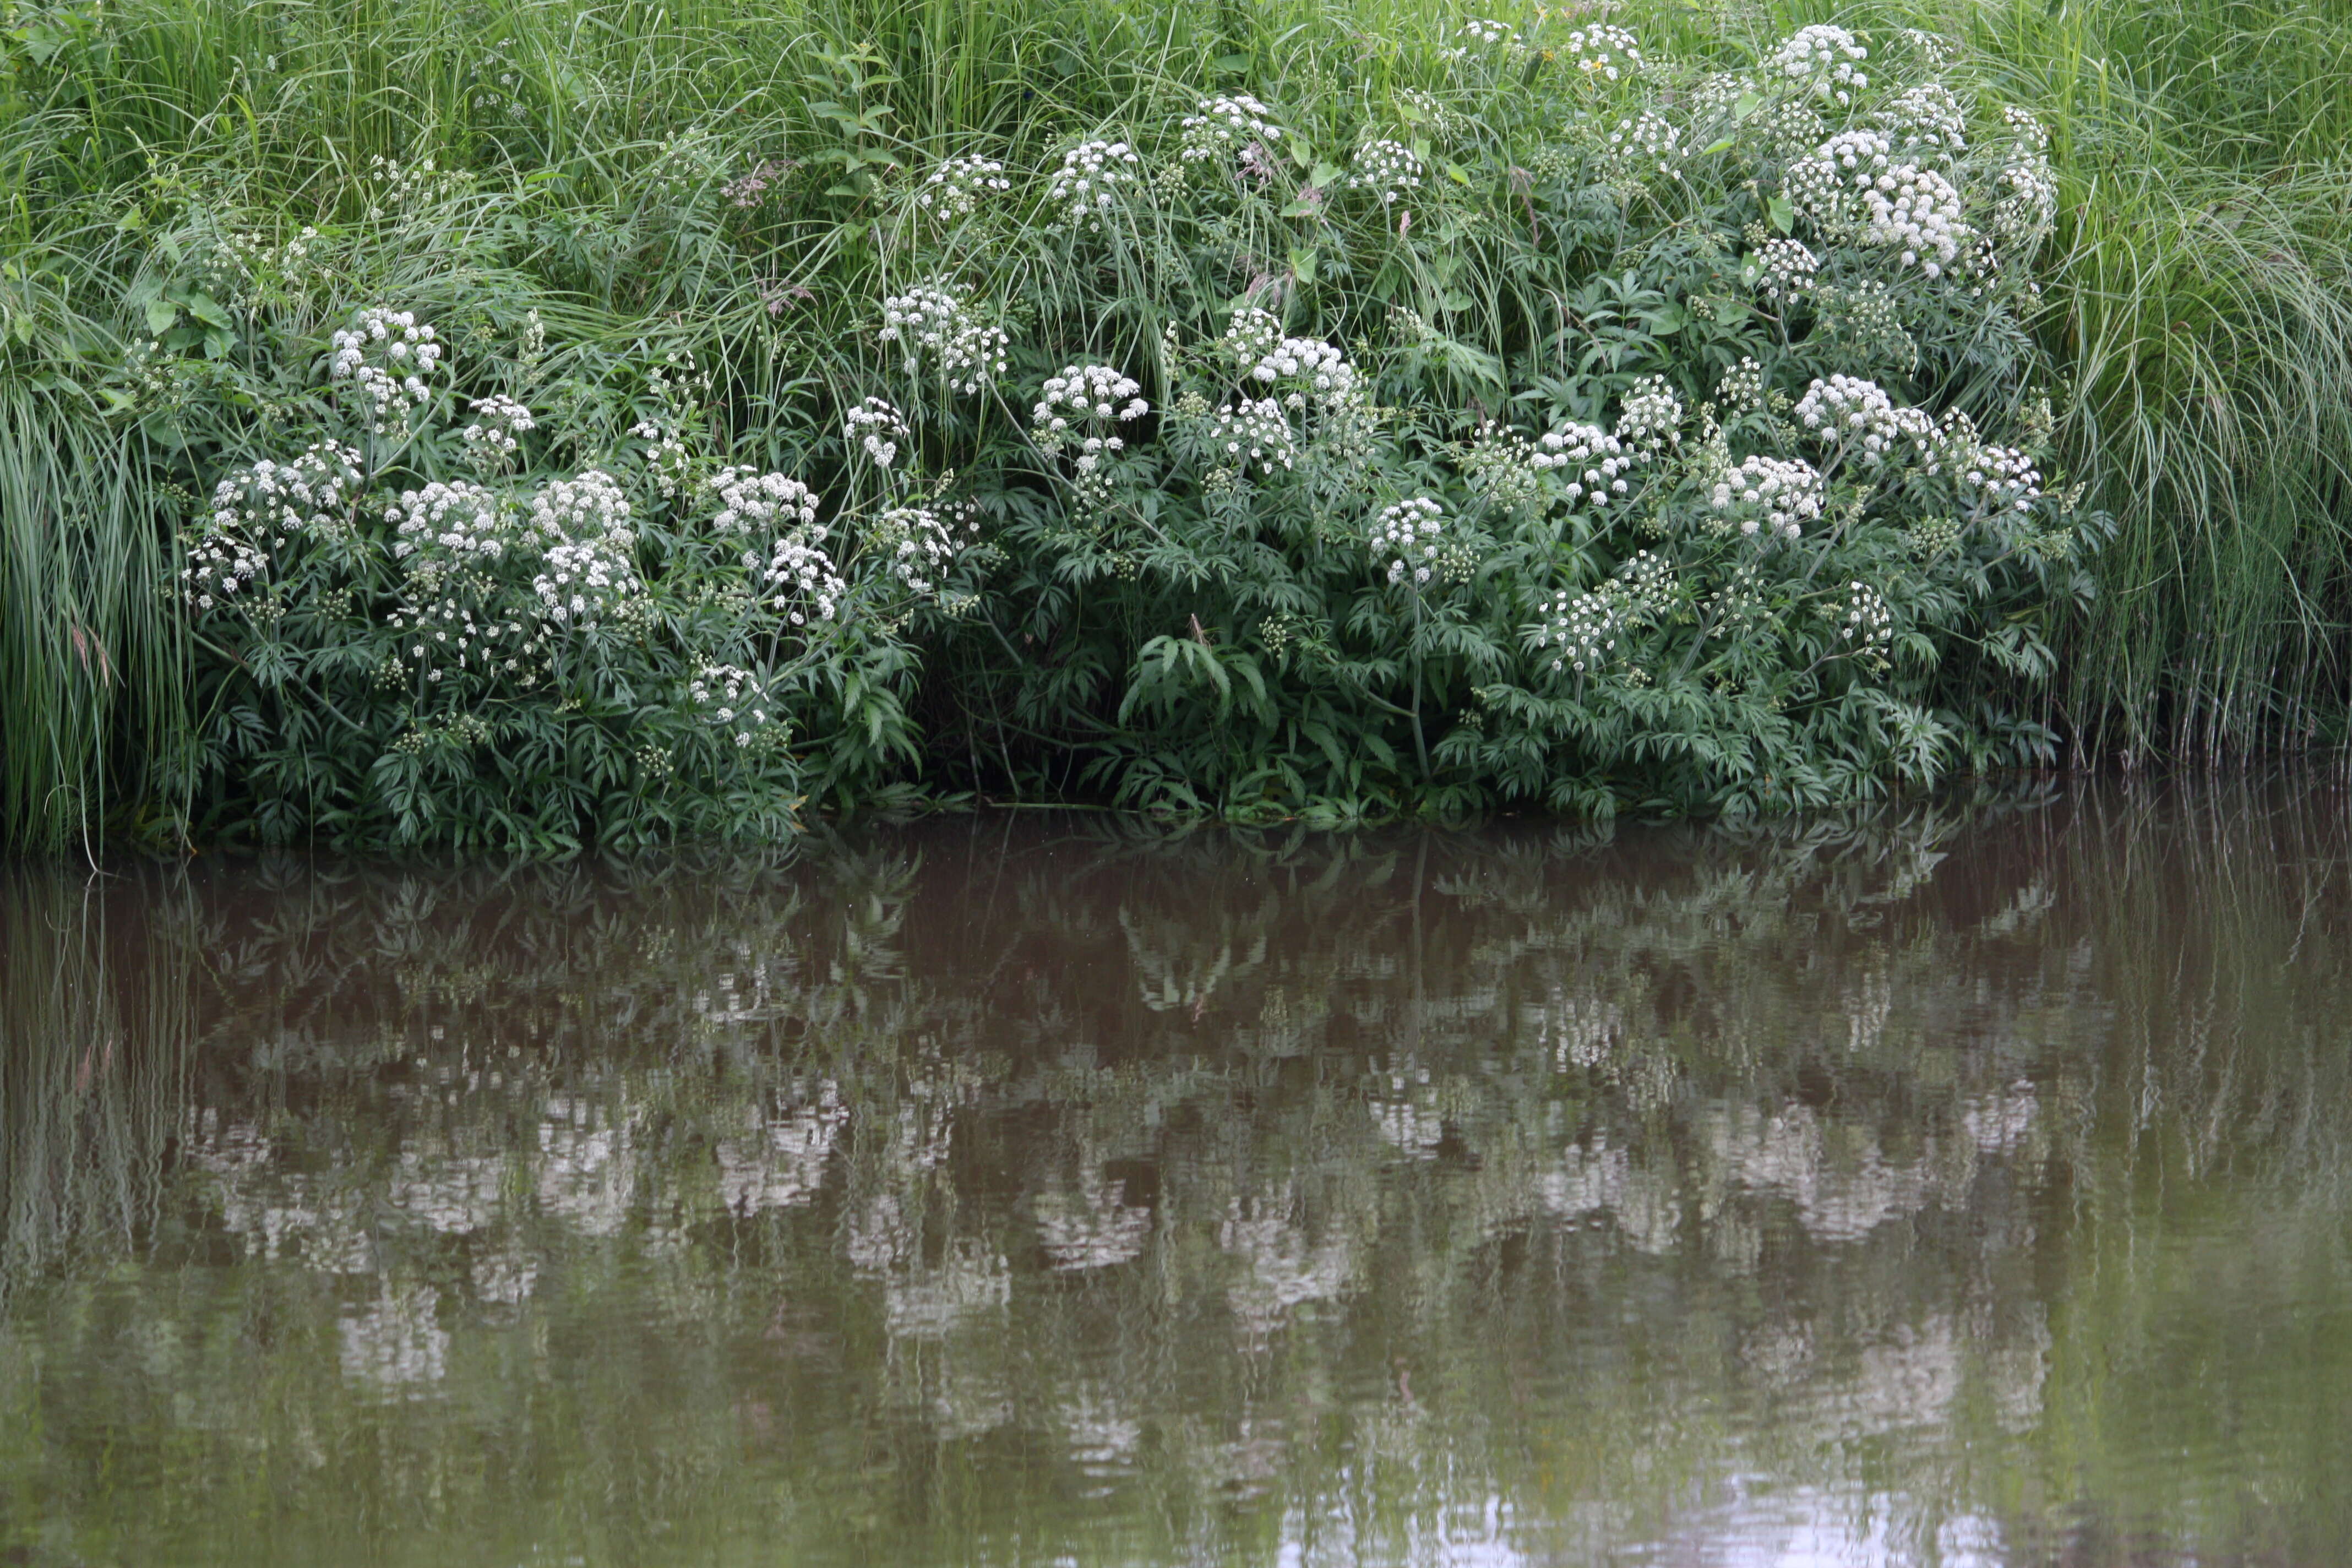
933,321
389,359
1406,540
1088,184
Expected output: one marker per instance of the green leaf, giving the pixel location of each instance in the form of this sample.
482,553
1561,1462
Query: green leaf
1783,213
1302,263
161,314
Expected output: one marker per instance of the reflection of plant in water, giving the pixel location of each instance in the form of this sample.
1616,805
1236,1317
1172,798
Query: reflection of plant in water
1037,1145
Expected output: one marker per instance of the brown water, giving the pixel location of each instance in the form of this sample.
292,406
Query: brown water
1967,1186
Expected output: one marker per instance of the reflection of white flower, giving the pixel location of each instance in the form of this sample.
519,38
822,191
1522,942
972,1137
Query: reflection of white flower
968,1280
1279,1267
505,1275
782,1164
395,1342
586,1171
1090,1225
450,1194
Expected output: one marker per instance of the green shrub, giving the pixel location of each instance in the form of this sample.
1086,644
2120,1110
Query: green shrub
1517,421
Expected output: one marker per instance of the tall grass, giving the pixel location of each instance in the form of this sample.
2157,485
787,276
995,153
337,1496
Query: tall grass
2201,310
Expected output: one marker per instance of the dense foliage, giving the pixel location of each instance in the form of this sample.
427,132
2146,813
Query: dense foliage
783,337
1583,431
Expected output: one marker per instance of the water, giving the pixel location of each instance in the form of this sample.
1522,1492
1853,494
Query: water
1967,1186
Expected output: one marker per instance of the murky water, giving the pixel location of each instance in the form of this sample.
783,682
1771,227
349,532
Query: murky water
1966,1186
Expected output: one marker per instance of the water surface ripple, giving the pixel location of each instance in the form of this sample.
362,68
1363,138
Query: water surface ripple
1956,1186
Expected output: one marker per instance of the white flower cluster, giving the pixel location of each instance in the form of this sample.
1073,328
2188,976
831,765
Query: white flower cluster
1822,60
1846,411
1651,418
1866,621
1742,386
1917,213
1253,431
585,579
1582,630
932,318
1081,408
958,187
1823,184
1785,270
1647,142
1225,126
2028,204
1595,461
803,577
731,698
877,428
1308,370
1251,336
1929,118
1998,479
443,636
1770,495
1648,584
1088,184
588,572
456,522
265,506
388,356
275,501
917,545
220,566
665,454
754,502
1610,53
1388,169
1405,538
491,438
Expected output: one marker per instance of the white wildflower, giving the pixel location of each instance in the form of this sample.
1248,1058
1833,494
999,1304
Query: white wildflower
1405,539
1387,169
1088,184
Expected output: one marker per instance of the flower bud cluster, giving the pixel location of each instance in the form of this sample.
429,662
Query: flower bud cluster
1225,126
1594,460
1387,169
1248,432
1651,418
958,188
1822,62
1089,180
877,428
2026,206
932,318
1406,540
388,356
1770,496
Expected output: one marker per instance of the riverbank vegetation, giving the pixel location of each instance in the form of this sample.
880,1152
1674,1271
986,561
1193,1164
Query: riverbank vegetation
545,425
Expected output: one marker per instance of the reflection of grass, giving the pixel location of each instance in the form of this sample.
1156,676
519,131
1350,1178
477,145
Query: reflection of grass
95,1027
